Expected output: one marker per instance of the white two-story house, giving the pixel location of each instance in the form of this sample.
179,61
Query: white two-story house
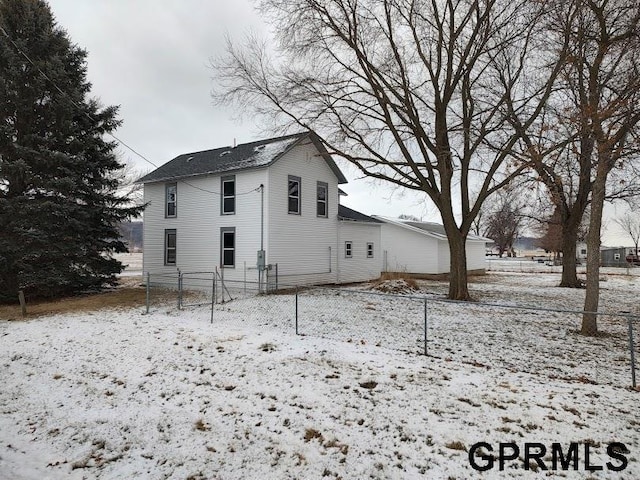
270,202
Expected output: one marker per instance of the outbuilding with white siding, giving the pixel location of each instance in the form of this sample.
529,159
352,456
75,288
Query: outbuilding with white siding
422,248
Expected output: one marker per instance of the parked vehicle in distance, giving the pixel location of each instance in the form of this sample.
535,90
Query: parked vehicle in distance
633,259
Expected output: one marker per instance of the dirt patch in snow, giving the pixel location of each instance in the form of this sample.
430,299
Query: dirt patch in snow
128,296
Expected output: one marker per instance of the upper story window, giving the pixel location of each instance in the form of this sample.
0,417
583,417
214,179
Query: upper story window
171,193
369,250
294,195
321,200
170,247
348,249
228,187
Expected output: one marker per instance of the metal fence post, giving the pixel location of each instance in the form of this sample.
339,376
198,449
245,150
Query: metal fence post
179,290
296,310
213,293
148,287
425,326
632,351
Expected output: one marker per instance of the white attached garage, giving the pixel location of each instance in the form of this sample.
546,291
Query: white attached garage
421,248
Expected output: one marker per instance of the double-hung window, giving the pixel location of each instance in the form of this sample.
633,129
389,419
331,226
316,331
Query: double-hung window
228,247
369,250
228,188
294,195
348,249
321,200
171,203
170,247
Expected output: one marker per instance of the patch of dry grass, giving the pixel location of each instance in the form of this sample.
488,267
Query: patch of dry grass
125,296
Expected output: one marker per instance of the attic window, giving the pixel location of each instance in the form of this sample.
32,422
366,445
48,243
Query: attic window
189,159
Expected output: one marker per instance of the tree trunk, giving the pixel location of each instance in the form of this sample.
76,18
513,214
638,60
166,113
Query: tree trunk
592,296
458,286
569,240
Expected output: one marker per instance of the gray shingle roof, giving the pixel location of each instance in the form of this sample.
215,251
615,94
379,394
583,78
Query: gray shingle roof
345,213
229,159
427,226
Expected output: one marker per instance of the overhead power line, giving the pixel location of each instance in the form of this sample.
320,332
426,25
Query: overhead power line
90,117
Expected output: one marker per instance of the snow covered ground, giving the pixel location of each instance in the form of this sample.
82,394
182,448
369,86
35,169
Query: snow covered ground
132,263
523,264
118,394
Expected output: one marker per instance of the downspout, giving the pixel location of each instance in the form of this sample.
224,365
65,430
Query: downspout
262,269
262,217
338,250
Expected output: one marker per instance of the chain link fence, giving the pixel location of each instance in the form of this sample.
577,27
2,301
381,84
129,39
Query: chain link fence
532,340
549,265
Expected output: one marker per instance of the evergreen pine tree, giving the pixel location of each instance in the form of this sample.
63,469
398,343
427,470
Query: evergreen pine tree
59,207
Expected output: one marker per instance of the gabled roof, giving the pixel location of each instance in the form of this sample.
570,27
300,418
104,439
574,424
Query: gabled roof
430,229
345,213
257,154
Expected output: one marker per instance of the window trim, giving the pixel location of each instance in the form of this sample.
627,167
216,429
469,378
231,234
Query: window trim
223,180
167,186
167,232
293,178
348,249
370,249
224,230
324,185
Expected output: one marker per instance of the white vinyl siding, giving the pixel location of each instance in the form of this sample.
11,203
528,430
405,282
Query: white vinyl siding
199,222
359,268
411,252
304,246
476,258
408,251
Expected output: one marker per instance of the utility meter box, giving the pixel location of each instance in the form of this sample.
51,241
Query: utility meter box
261,259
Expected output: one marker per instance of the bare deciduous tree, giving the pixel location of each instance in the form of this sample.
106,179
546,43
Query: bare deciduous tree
503,219
605,70
630,224
405,90
560,146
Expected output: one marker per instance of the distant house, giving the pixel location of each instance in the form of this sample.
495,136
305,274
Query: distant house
421,248
251,207
615,256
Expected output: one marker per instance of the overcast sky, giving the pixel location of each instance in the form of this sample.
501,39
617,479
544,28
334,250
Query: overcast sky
152,58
